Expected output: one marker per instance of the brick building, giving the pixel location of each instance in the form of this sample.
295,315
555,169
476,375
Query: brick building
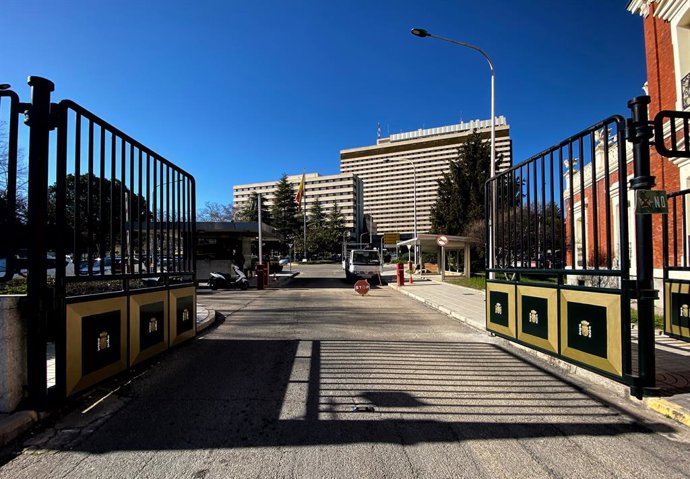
666,25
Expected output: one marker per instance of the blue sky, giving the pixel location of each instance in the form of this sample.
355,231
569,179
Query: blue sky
243,91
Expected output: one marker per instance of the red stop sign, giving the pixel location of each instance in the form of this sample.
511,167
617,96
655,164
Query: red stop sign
362,286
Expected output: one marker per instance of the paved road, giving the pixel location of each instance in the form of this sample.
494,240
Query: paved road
316,381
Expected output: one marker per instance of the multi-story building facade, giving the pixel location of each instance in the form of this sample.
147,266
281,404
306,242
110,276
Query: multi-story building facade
345,189
402,171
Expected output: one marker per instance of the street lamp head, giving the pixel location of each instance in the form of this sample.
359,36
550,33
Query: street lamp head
419,32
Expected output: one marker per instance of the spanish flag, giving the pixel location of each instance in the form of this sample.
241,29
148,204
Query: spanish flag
300,193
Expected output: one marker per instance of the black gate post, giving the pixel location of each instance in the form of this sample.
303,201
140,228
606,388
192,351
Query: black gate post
639,133
39,122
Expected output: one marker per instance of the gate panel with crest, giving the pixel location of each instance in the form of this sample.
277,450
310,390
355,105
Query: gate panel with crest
560,232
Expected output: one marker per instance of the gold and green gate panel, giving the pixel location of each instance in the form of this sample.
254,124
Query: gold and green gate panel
578,325
148,325
96,342
677,308
182,315
591,329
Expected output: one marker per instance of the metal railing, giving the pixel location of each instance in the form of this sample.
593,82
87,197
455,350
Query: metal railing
554,213
123,210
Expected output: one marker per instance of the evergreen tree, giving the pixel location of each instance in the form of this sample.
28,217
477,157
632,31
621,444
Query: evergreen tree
335,226
460,200
250,212
284,215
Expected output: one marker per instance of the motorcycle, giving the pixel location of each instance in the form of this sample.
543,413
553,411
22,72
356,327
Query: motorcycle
232,280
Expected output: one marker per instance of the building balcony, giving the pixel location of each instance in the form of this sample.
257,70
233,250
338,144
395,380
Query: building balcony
685,91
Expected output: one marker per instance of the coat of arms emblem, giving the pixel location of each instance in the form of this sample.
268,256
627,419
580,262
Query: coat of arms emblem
153,325
585,329
685,311
533,317
185,315
103,341
498,309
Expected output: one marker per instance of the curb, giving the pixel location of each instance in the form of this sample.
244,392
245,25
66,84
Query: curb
667,408
15,424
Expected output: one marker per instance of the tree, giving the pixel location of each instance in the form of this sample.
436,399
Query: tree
460,200
335,225
250,212
216,212
284,209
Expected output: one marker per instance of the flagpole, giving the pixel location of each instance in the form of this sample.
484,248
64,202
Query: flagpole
304,211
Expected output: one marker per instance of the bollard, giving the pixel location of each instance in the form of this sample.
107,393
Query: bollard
267,267
259,276
400,274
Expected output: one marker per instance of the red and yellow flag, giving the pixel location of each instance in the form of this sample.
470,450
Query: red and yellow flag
300,193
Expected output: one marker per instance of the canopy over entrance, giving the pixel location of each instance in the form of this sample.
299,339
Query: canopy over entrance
456,244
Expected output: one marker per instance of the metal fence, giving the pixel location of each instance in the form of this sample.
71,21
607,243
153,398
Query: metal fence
105,236
559,212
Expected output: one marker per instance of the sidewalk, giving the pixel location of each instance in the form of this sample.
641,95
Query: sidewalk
468,305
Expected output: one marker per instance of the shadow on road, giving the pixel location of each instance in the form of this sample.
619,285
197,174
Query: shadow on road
270,393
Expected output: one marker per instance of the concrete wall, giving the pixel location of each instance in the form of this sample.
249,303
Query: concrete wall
12,354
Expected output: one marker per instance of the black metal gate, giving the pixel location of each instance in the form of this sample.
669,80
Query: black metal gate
110,234
672,140
558,226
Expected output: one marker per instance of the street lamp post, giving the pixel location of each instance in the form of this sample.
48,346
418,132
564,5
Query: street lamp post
420,32
414,199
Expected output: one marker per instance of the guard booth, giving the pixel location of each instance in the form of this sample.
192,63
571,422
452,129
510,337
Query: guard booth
109,240
457,248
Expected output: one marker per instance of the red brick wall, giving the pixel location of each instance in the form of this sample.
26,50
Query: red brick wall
661,80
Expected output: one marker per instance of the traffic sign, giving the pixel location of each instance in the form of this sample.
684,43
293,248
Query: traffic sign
391,238
362,287
442,240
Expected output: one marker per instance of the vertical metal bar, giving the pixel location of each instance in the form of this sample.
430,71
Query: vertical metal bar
664,249
168,186
148,212
130,210
529,216
89,206
683,210
561,180
583,202
11,193
61,234
101,199
139,198
39,122
155,216
640,134
77,194
160,217
123,212
113,180
607,186
571,175
553,210
674,140
675,236
177,222
542,263
595,206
